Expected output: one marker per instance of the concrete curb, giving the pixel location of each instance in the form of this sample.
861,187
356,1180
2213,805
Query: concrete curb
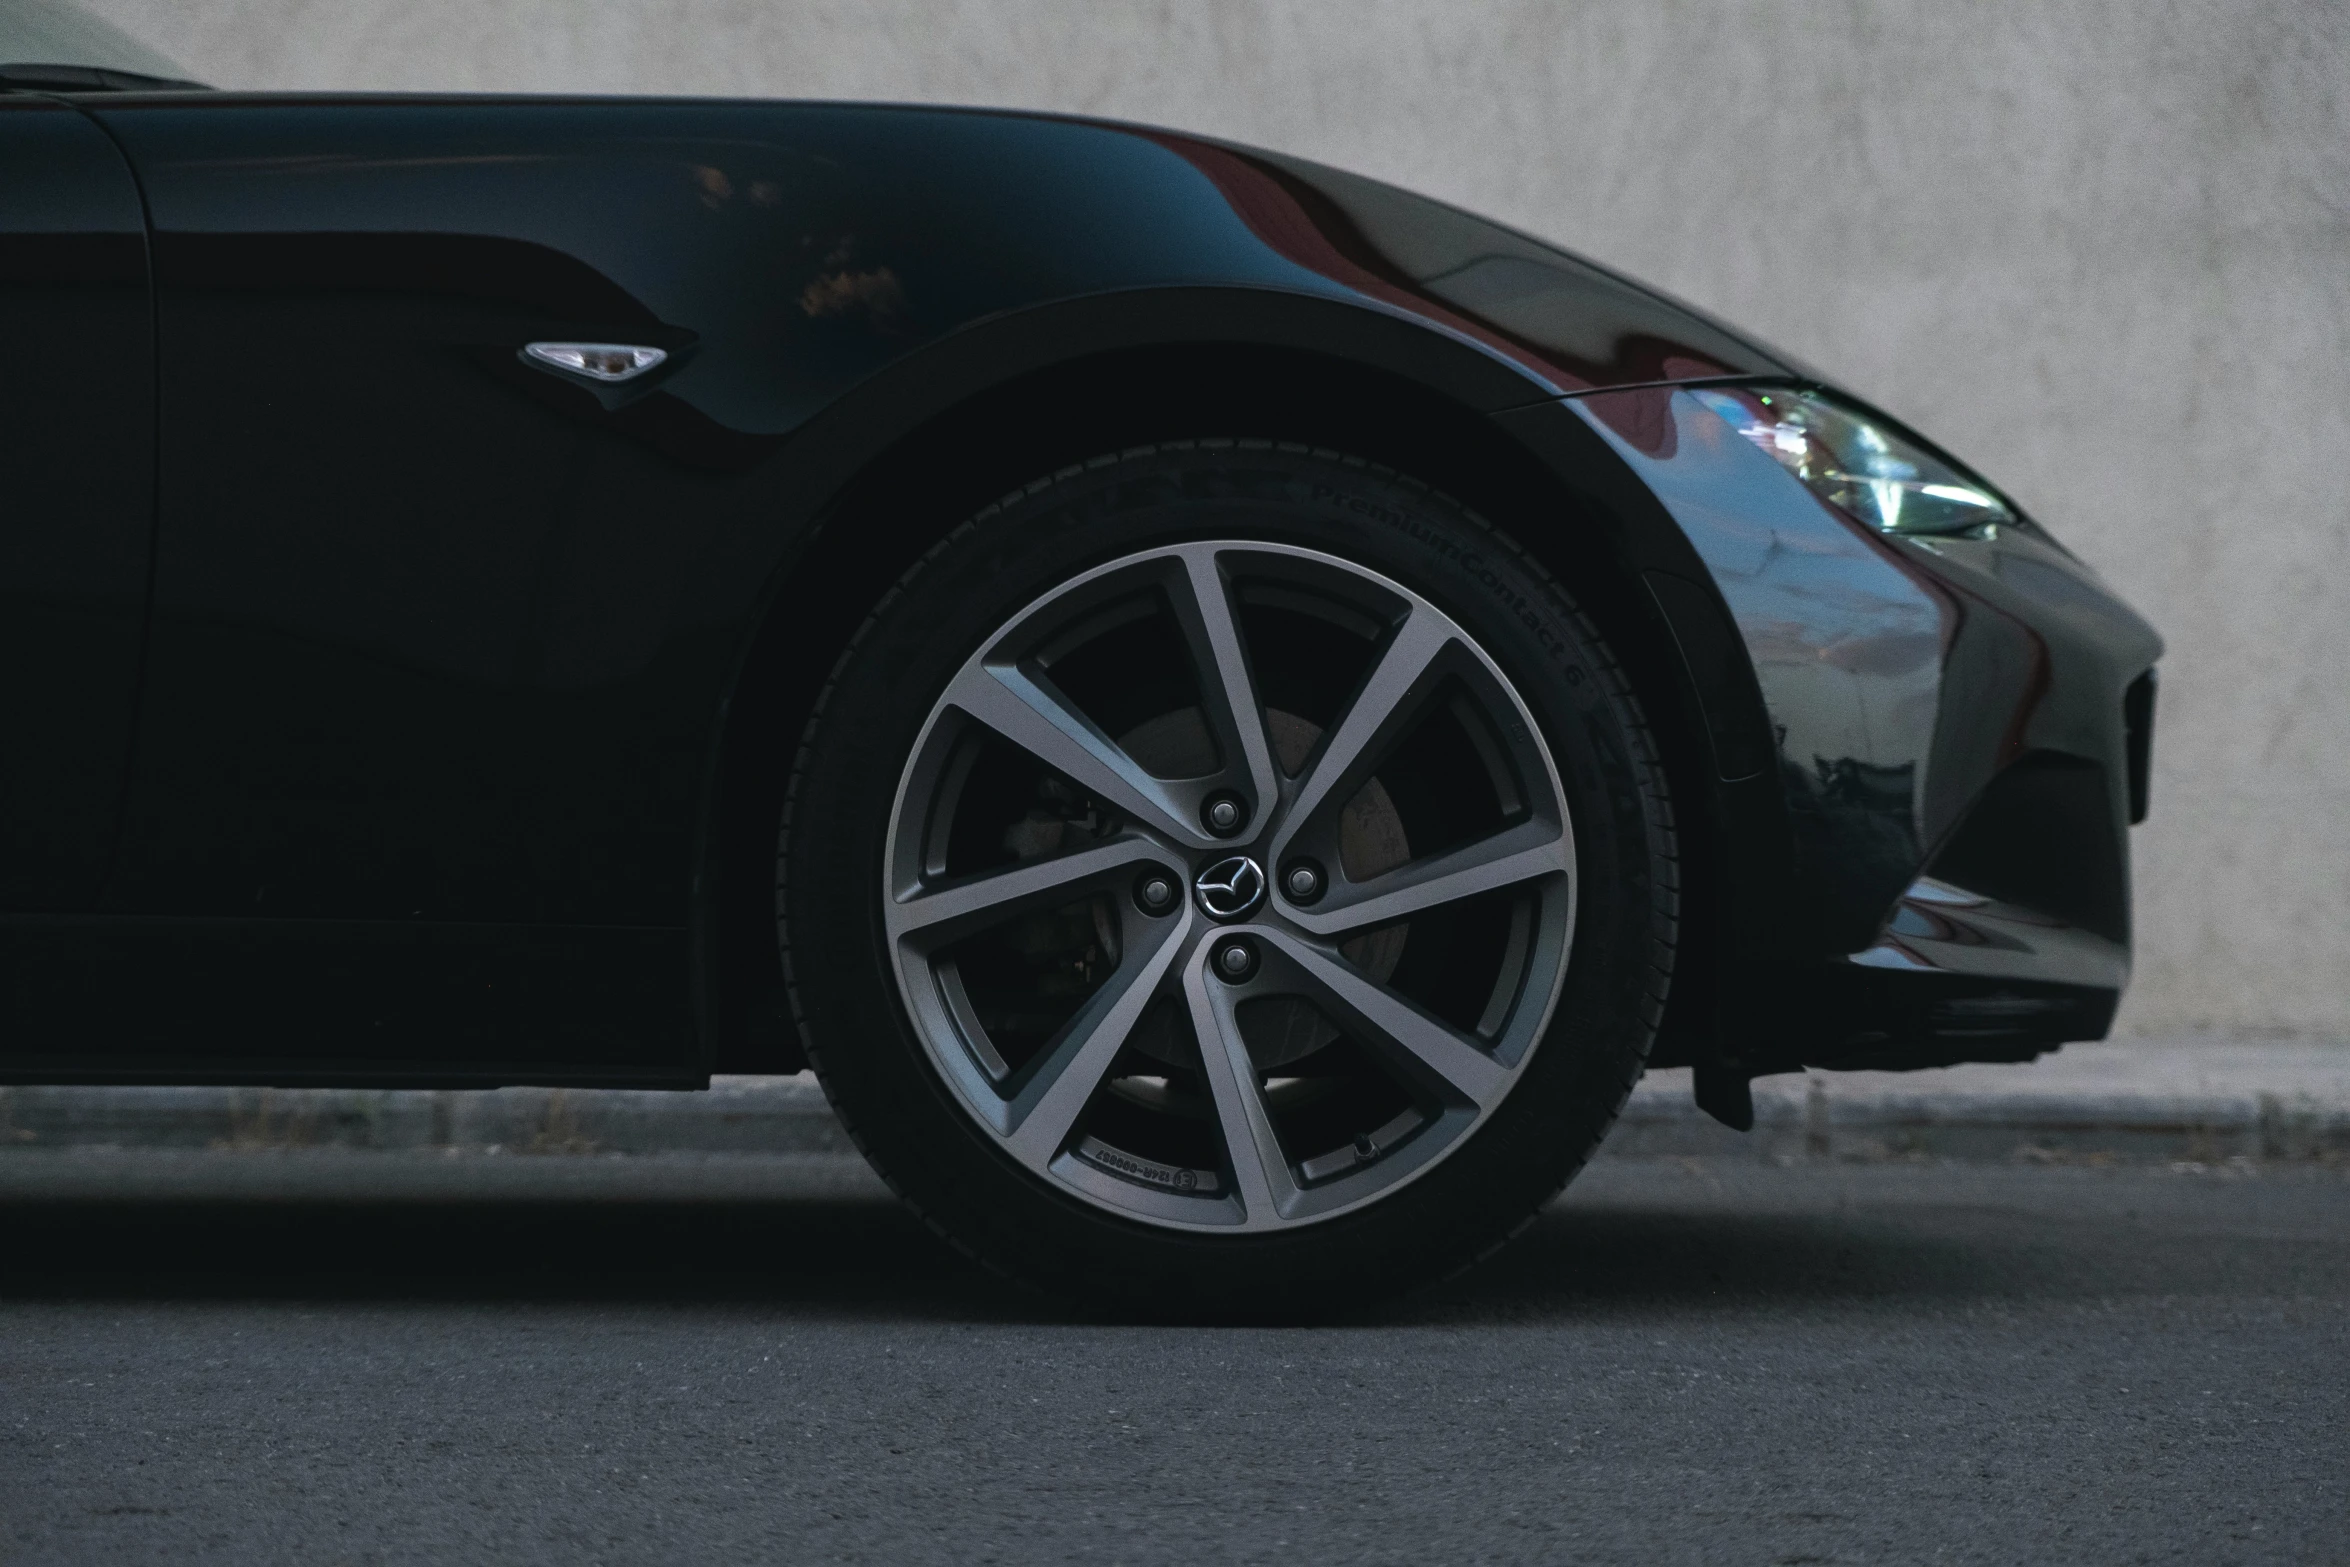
753,1115
2200,1102
1815,1122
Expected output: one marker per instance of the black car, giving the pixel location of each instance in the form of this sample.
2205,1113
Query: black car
1228,710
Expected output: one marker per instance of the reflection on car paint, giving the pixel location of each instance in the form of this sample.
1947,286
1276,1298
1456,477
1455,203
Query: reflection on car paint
1846,643
1939,928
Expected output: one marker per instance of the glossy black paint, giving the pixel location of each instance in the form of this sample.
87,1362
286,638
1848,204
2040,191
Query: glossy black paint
482,666
78,411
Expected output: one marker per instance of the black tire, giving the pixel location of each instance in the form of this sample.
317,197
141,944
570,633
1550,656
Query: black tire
855,753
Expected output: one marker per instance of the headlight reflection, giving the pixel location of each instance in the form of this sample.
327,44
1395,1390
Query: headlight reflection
1856,464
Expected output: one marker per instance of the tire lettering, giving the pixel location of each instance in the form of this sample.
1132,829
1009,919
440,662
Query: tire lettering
1526,613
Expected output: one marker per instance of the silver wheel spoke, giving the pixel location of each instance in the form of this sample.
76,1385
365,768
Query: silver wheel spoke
1513,855
1384,700
1032,718
1410,1039
1260,1170
1227,690
943,913
1041,1115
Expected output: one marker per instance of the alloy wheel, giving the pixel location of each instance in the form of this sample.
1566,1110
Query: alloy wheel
1229,886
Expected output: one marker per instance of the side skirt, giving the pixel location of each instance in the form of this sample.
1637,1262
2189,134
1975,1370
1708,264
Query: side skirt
344,1002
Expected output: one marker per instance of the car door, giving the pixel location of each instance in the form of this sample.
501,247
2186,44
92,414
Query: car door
421,742
77,416
413,593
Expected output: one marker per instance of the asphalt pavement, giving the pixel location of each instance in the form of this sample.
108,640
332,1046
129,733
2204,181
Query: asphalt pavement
717,1360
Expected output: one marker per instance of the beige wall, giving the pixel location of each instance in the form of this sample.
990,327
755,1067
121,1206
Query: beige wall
2100,249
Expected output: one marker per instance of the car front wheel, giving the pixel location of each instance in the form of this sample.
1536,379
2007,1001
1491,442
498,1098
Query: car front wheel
1227,879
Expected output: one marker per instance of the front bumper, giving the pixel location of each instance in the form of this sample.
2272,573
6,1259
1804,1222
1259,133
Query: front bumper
1959,733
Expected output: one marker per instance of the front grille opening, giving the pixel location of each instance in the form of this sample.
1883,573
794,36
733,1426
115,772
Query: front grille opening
2138,738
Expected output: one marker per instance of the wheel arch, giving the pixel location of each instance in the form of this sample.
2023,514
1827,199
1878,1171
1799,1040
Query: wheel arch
889,469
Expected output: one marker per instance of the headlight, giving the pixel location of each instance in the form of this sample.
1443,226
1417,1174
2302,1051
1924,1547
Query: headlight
1855,463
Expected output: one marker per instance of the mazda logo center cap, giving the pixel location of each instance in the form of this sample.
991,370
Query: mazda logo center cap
1230,888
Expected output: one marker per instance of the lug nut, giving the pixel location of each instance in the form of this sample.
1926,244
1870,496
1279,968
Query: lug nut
1155,892
1302,882
1235,960
1224,814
